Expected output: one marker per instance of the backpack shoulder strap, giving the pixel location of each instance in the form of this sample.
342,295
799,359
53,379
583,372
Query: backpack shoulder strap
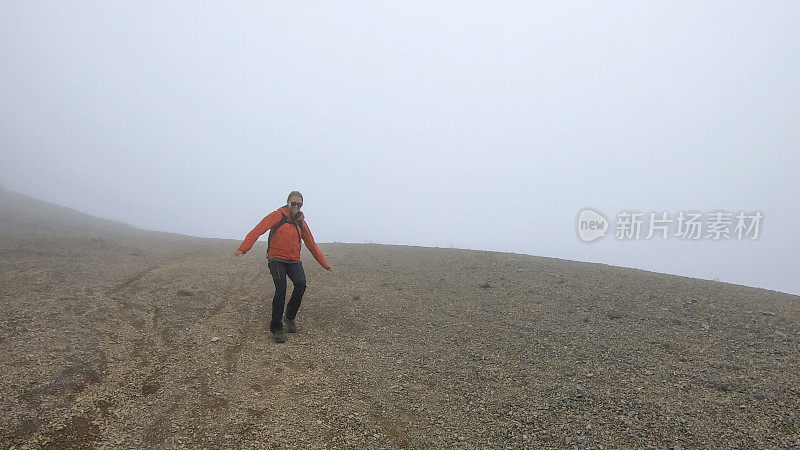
274,228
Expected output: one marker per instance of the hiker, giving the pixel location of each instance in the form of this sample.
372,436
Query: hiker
286,228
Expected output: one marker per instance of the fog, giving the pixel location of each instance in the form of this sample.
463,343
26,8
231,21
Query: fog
482,125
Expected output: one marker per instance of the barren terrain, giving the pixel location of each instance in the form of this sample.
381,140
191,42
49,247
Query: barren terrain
117,337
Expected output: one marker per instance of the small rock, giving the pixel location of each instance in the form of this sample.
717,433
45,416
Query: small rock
186,292
614,314
215,339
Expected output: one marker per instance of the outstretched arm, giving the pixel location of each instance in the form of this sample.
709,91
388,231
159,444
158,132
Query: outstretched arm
308,238
262,227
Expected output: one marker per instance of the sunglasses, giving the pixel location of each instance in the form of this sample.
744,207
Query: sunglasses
297,204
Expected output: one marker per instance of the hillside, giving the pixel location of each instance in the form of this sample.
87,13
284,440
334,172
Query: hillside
113,336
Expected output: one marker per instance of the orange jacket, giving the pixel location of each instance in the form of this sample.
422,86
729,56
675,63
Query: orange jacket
285,242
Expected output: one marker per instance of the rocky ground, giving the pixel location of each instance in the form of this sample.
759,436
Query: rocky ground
114,337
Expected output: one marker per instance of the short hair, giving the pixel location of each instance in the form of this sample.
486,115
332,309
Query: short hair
294,194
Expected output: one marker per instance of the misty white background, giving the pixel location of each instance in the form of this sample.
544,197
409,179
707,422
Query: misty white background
483,125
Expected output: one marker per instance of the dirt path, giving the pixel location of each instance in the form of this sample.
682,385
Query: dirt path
110,343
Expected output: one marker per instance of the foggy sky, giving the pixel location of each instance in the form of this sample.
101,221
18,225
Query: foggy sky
483,125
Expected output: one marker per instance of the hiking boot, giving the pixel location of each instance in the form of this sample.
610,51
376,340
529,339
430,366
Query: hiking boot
291,326
279,336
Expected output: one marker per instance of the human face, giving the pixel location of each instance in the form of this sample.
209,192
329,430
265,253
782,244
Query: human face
294,204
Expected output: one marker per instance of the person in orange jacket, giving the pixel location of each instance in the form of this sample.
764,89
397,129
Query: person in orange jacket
286,226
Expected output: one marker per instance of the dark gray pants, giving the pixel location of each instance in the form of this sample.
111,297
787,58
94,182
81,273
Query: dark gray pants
279,271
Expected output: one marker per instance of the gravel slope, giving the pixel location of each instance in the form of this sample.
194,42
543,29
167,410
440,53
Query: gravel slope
115,337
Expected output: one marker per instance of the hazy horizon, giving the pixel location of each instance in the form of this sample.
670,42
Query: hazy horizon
468,125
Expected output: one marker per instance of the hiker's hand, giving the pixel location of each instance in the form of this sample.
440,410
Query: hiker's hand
239,252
